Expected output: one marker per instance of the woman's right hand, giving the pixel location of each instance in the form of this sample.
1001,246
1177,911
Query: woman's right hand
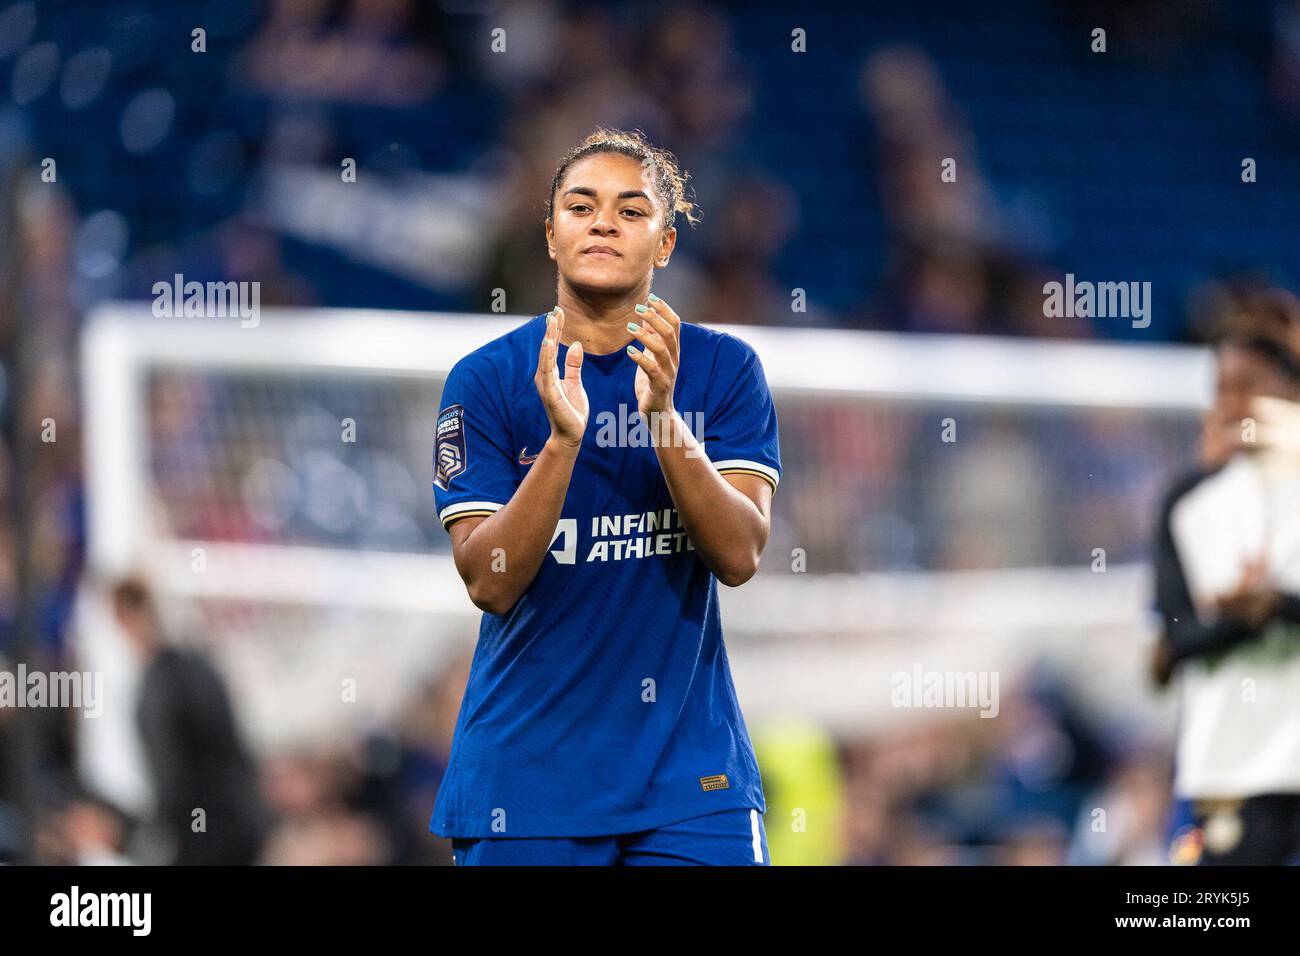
564,399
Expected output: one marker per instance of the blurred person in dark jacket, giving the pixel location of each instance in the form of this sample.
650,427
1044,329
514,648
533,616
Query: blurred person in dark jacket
205,783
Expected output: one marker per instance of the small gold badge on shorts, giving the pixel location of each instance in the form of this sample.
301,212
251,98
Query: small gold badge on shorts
717,782
1223,828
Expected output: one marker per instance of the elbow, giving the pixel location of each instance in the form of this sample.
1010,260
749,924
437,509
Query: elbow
737,567
489,600
490,605
734,574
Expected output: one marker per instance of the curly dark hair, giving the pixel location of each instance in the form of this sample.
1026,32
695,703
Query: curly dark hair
669,179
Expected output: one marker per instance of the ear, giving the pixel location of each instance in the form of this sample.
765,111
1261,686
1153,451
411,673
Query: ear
667,243
550,237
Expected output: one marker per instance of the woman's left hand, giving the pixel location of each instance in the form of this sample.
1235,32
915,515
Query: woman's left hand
658,329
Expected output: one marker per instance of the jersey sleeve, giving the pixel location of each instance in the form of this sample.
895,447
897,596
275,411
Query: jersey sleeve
1188,634
474,473
740,429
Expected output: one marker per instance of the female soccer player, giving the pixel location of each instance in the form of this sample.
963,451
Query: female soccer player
591,515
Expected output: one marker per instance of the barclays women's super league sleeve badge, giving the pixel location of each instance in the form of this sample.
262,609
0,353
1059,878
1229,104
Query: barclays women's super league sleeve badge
449,446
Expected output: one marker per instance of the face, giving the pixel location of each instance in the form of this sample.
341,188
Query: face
1243,375
136,624
606,232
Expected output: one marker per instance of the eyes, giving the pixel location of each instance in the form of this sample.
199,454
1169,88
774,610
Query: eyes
635,213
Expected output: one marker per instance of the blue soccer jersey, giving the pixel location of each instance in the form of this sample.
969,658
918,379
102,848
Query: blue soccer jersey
602,702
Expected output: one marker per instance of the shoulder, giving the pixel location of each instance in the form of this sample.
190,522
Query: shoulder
715,341
187,660
723,356
1203,491
1185,483
503,358
175,667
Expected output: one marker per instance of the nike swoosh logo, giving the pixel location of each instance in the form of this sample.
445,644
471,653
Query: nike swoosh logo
525,458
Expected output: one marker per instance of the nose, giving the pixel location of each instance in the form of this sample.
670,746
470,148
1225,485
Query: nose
604,227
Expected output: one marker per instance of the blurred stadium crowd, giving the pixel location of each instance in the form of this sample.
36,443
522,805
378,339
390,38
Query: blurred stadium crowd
813,171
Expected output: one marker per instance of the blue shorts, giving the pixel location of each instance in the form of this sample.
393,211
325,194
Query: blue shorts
725,838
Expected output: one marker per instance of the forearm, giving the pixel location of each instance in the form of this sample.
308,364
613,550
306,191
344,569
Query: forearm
1188,632
502,555
1191,637
727,529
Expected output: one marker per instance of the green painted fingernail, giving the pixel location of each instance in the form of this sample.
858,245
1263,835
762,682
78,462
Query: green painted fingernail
631,351
653,297
641,308
632,326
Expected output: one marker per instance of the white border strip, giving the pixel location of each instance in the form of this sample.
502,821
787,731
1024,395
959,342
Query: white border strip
752,465
899,365
115,444
452,510
985,369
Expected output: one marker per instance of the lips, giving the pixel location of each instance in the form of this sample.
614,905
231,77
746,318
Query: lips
600,251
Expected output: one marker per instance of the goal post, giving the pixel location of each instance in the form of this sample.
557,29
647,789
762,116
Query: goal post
301,555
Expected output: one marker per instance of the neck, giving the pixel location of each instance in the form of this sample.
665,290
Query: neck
598,319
